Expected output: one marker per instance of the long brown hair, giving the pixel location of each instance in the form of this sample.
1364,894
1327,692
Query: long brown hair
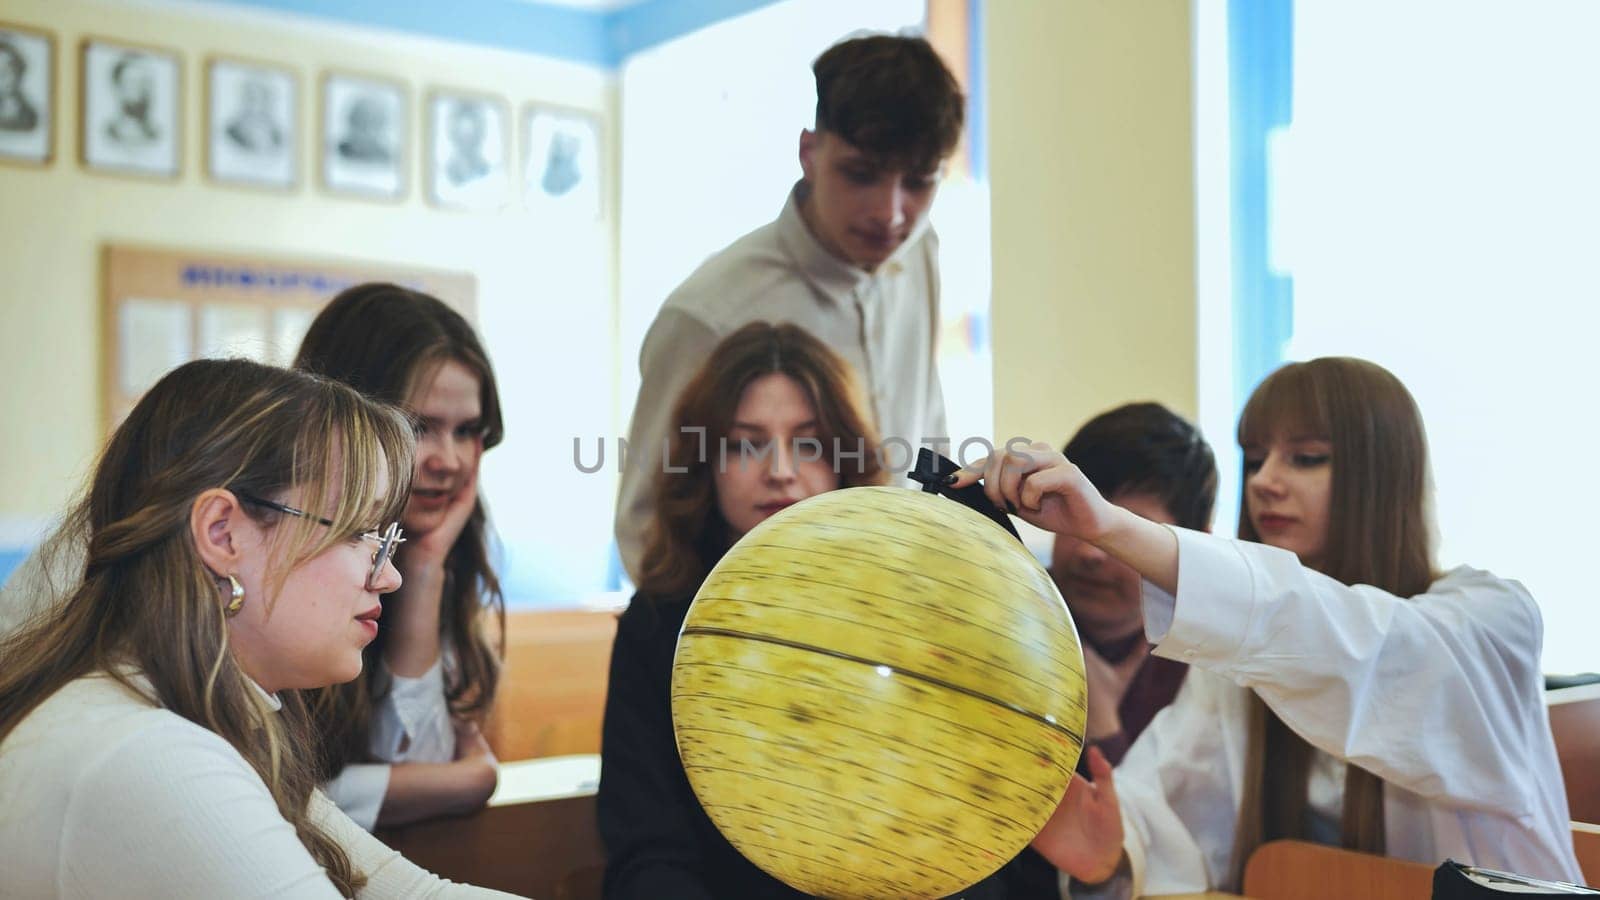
148,603
689,534
388,341
1378,534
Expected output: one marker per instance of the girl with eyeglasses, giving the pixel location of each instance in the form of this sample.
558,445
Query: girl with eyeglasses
404,741
155,738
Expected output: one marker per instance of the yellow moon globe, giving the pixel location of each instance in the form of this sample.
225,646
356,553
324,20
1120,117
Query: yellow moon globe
878,693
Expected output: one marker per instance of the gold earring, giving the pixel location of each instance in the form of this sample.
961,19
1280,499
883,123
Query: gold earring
236,601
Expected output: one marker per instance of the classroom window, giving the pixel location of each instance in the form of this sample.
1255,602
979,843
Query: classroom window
1434,201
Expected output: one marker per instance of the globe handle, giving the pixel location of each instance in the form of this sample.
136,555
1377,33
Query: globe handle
932,470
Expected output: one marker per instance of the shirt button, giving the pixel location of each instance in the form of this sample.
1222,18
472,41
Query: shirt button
1188,654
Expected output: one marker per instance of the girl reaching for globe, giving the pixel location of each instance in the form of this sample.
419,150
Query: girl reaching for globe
1343,691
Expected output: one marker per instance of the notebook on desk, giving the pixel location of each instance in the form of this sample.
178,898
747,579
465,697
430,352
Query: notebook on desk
1454,881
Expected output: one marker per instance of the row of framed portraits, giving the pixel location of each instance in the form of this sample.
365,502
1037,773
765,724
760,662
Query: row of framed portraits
130,121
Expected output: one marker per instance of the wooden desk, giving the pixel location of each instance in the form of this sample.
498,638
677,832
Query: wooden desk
1586,844
524,842
543,848
1296,870
553,688
1575,724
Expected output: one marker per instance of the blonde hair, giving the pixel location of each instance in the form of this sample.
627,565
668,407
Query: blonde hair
1379,533
148,606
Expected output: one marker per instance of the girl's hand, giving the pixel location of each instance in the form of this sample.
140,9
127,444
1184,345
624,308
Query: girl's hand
433,547
458,788
1039,485
414,610
478,772
470,742
1084,835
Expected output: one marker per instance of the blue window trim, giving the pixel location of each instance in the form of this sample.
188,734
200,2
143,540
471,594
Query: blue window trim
10,559
1261,93
977,87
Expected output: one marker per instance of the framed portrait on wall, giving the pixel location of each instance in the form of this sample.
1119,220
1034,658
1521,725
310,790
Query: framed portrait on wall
27,95
561,171
467,150
132,111
252,124
364,131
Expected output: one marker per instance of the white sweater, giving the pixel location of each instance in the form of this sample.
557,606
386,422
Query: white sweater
103,793
414,714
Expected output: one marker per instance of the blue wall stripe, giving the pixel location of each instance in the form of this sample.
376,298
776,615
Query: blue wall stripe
562,32
1261,93
592,37
645,25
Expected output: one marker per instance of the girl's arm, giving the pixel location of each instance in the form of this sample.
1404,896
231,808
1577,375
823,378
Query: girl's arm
389,794
413,613
423,790
1439,694
1364,675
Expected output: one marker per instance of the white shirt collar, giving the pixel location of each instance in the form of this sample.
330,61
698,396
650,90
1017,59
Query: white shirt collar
818,264
272,699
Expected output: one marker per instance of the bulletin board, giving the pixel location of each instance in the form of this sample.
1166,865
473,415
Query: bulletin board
164,307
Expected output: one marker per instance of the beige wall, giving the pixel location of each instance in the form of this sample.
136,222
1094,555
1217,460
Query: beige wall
1090,157
1092,171
56,218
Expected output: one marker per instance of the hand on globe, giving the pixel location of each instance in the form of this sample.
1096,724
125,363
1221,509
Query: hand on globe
1039,485
1083,837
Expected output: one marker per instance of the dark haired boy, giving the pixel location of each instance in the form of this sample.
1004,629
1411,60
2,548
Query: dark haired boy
1145,458
1151,461
850,258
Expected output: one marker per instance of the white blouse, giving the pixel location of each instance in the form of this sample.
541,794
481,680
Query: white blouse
107,794
1440,695
410,724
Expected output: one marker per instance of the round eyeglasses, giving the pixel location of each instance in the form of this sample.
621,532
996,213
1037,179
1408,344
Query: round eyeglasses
383,542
